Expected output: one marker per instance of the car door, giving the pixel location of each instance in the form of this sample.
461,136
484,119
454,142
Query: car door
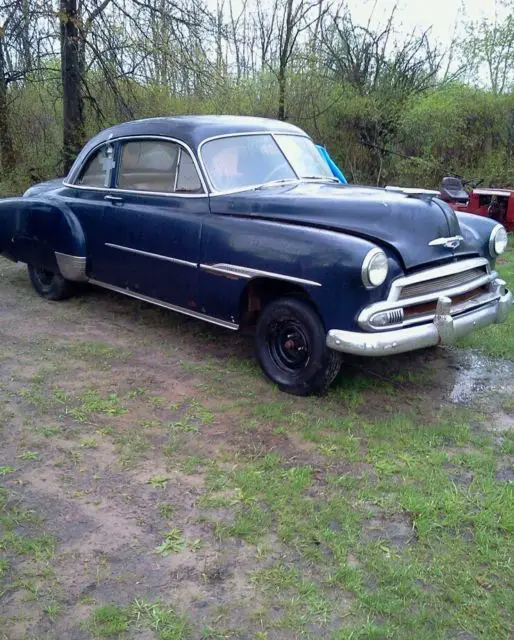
153,220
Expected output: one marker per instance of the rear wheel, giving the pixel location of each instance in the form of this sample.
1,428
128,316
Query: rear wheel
49,284
291,348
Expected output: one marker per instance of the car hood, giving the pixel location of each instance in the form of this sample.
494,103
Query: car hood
407,224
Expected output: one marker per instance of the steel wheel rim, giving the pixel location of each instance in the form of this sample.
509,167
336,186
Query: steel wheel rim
288,345
44,277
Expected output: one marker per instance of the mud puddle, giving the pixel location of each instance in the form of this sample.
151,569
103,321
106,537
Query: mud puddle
478,376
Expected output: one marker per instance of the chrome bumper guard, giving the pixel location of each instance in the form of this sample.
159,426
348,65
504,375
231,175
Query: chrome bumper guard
444,329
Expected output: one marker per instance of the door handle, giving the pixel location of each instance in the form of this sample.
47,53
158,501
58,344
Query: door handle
113,198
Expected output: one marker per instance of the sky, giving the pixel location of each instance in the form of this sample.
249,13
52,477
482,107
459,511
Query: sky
441,15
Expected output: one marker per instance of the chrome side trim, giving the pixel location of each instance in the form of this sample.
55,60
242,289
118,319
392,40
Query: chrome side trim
158,256
443,330
167,305
71,267
247,273
436,272
68,181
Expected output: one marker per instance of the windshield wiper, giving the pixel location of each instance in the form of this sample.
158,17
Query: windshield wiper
274,183
329,178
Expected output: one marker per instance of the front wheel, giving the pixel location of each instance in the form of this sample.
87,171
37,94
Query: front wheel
291,349
50,285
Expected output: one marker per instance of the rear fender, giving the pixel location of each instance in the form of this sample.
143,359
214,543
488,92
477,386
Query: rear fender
45,233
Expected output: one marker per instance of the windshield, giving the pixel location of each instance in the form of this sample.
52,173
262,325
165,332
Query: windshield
243,161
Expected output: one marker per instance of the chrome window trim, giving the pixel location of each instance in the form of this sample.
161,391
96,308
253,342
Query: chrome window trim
108,174
158,256
434,273
272,133
166,305
164,194
177,169
321,179
248,273
71,179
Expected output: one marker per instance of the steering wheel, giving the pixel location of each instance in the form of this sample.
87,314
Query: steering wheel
472,183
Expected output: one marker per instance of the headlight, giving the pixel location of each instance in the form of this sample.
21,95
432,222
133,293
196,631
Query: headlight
498,241
374,268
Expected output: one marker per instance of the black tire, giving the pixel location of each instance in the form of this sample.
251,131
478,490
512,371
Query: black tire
49,284
291,349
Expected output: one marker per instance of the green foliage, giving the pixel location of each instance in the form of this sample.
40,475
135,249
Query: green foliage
173,542
108,621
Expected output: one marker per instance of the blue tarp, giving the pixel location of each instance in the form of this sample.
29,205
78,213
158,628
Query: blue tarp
333,167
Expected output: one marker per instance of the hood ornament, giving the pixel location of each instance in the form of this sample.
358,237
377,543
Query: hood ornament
448,243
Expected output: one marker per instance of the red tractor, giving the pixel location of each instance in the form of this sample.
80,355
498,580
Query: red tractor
497,204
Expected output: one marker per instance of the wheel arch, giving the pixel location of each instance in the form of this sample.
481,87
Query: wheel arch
261,290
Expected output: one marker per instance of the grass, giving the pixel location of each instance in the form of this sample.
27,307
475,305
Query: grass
433,536
173,543
497,340
4,470
111,620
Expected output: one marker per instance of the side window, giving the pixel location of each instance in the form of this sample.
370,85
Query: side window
148,165
187,177
97,170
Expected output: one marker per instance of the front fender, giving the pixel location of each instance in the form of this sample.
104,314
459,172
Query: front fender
326,264
477,230
43,232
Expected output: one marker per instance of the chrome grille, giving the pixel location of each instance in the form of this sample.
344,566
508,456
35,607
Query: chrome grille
436,285
395,316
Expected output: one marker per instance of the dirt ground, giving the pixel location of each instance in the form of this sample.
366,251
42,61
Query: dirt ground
111,413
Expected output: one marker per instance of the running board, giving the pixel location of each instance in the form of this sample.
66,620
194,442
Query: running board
167,305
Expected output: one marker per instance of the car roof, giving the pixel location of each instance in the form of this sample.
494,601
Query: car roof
192,130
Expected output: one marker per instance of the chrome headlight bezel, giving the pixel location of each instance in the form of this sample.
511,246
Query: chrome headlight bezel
374,260
498,241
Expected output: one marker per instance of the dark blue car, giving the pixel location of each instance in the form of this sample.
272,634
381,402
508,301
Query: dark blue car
241,222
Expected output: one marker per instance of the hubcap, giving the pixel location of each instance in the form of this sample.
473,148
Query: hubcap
288,344
44,277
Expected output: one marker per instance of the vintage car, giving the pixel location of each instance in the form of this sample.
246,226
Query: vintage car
240,222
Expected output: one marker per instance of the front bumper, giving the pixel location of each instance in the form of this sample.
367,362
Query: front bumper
444,329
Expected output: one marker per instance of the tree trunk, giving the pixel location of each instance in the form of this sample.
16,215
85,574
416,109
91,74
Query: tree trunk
7,155
25,37
281,93
73,101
